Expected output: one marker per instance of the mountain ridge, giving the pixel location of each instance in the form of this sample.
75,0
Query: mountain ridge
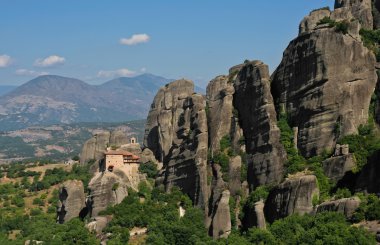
51,99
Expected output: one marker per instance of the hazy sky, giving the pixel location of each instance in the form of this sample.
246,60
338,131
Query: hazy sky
96,40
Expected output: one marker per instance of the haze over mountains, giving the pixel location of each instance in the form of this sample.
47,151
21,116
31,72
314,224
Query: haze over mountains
54,99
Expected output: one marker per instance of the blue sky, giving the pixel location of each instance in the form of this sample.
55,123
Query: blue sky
193,39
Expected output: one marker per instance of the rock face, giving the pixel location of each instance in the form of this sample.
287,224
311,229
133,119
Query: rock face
221,219
310,22
94,148
255,216
176,132
337,166
294,195
234,174
324,83
257,116
105,189
369,178
71,200
347,206
98,224
217,187
360,9
221,119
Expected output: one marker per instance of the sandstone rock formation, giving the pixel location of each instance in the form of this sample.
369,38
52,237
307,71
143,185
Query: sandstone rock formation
71,200
294,195
347,206
360,9
255,216
221,219
257,116
105,189
234,175
337,166
94,148
176,132
97,224
217,187
325,81
221,119
310,22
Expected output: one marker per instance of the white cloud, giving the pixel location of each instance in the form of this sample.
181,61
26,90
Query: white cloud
5,60
135,39
143,69
53,60
30,73
117,73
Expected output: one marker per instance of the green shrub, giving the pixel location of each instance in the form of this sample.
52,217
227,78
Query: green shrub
38,201
225,142
371,39
342,27
369,208
327,20
149,168
343,193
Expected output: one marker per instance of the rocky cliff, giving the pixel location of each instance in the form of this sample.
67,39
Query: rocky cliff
257,116
294,195
71,201
94,148
176,132
105,189
222,121
326,78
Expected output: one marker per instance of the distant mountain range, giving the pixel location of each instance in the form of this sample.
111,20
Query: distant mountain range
6,89
53,99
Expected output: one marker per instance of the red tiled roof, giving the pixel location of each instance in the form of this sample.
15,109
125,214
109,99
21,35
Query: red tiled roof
122,152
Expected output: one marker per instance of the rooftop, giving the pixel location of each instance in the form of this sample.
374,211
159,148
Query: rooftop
122,152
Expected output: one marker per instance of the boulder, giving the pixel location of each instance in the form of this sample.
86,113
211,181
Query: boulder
98,223
337,166
309,23
293,196
106,189
254,103
324,84
221,219
176,132
71,201
347,206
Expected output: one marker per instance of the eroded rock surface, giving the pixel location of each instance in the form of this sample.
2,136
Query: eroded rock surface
105,189
338,165
176,132
71,200
94,148
347,206
294,195
221,119
257,115
324,84
221,219
360,9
